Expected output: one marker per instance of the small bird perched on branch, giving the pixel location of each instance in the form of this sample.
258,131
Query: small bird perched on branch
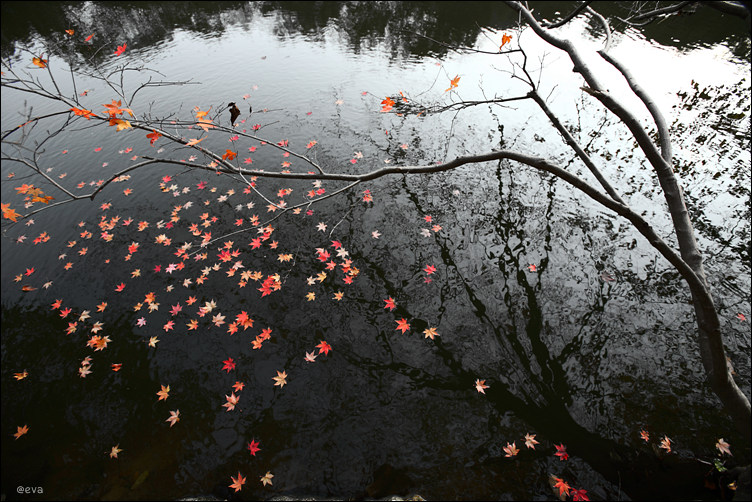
234,112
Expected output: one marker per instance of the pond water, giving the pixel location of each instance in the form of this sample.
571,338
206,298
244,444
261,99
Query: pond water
585,348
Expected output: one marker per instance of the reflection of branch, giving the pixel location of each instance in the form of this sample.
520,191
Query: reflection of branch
568,18
575,146
689,264
651,15
35,119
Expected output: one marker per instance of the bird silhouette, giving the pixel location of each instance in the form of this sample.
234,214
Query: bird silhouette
234,112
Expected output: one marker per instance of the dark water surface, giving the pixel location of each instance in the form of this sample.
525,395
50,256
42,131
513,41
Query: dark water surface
569,354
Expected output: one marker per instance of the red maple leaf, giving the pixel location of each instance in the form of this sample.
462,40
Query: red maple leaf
253,446
324,347
562,486
120,49
244,320
402,325
229,364
579,495
390,304
561,451
430,269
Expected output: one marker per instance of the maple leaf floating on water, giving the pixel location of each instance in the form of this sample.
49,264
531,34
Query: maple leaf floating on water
560,485
511,450
324,348
402,325
430,333
579,495
174,417
644,435
280,379
228,365
42,63
164,393
8,213
115,450
21,431
561,452
530,441
21,376
665,444
120,49
253,447
723,446
266,479
232,400
480,386
237,483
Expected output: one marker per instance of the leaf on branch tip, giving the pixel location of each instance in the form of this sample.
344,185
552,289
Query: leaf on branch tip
453,83
87,114
505,39
153,136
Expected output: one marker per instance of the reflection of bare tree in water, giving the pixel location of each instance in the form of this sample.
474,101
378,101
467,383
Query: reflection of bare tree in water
531,382
528,380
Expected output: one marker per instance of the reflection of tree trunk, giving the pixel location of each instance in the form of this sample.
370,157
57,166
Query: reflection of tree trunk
710,340
639,473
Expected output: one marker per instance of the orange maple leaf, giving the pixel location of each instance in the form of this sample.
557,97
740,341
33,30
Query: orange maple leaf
164,393
42,63
120,123
21,431
120,49
561,485
87,114
69,32
230,155
505,39
9,213
237,483
453,83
